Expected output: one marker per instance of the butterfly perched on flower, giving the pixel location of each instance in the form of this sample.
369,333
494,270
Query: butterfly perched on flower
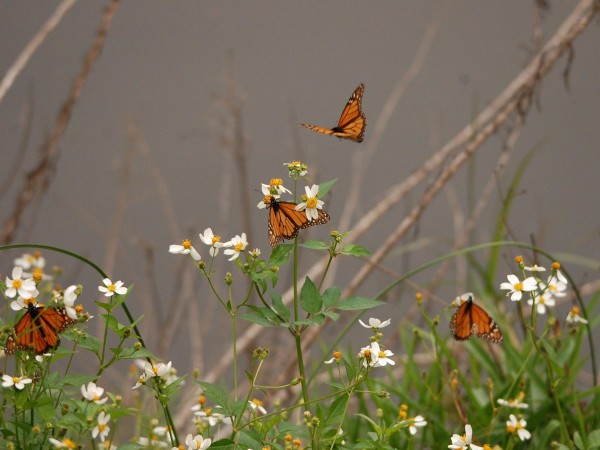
471,319
352,122
38,329
285,221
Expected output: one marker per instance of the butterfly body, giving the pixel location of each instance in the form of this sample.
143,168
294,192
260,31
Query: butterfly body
38,330
471,319
352,122
285,221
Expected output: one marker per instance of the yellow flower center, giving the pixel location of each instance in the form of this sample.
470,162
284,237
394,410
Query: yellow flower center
518,287
337,355
311,203
555,265
239,247
276,182
402,415
38,274
381,354
216,239
101,427
268,200
510,428
111,288
16,380
96,397
288,438
575,310
187,244
17,284
367,353
69,443
541,300
79,309
257,402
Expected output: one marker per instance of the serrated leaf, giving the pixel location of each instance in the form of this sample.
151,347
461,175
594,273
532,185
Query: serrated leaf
358,303
310,299
354,250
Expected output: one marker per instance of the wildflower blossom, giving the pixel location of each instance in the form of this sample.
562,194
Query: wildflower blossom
18,382
556,286
212,240
101,429
213,418
185,248
462,298
275,187
312,203
23,303
296,169
542,301
514,403
27,261
535,268
365,356
158,370
65,443
140,381
380,358
236,246
256,404
375,324
337,357
416,422
463,441
69,298
517,287
93,393
111,288
574,317
513,425
197,442
18,285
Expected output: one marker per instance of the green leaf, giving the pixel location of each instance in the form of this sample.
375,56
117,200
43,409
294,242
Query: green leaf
254,317
578,441
280,254
88,342
131,446
225,444
332,315
331,296
317,319
358,303
215,393
594,439
315,245
132,353
325,187
310,299
354,250
279,306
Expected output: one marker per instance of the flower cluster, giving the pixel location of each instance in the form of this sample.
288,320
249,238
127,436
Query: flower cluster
234,247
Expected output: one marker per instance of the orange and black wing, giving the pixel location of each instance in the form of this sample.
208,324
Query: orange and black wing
352,122
38,330
471,319
285,222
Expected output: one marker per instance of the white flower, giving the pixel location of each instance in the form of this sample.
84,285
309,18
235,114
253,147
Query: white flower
574,317
212,240
93,393
101,429
275,187
517,287
18,382
518,426
111,288
65,443
462,441
23,303
185,248
69,298
196,442
236,246
140,381
312,203
17,285
296,169
256,404
514,403
416,422
461,299
556,286
375,323
365,356
379,358
213,418
541,301
27,261
158,370
535,268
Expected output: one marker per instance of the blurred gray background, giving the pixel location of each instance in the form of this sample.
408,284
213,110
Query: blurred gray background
147,158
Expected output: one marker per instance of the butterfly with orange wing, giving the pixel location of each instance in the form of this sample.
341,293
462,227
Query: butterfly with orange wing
285,221
471,319
38,329
352,122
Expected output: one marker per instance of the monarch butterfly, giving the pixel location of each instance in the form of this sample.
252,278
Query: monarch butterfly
285,222
38,329
352,122
471,319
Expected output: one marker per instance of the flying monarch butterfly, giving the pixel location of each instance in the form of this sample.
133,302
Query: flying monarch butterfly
38,329
352,122
285,221
471,319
